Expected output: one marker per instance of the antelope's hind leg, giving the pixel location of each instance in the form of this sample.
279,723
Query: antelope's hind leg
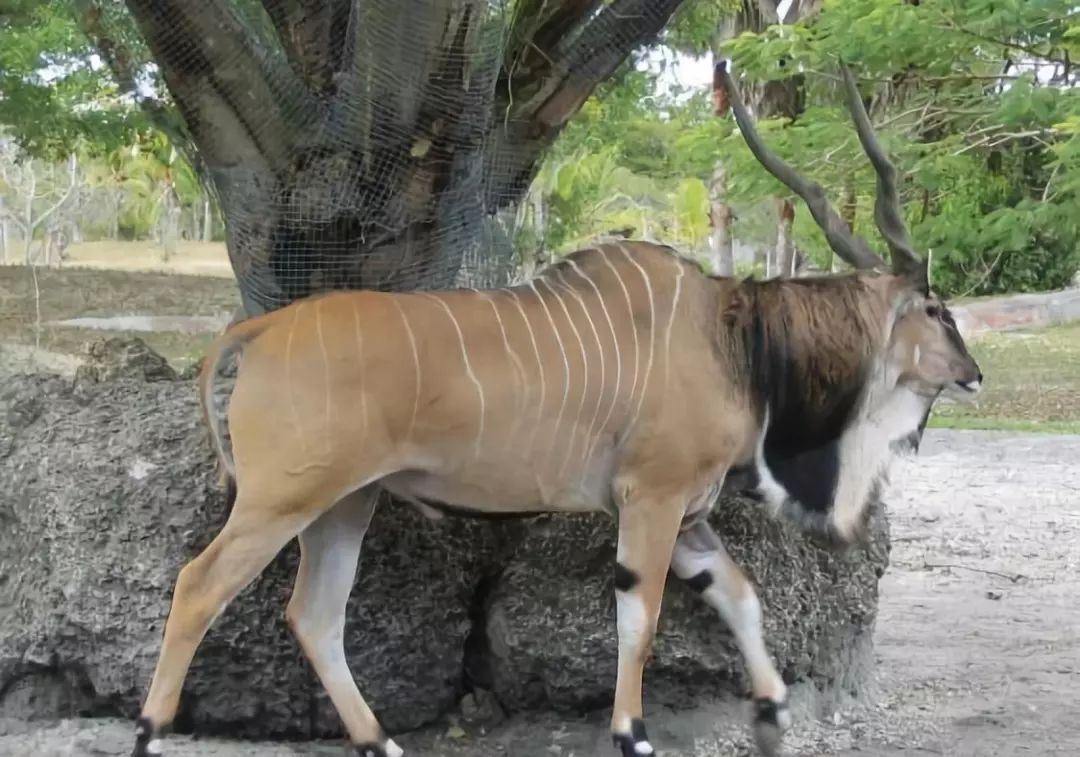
647,531
329,552
701,560
252,536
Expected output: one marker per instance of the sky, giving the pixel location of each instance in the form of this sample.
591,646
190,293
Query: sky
691,72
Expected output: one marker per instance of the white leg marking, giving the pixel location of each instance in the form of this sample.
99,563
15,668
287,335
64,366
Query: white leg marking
629,320
328,410
153,747
360,359
539,367
416,368
393,750
521,385
700,549
589,439
329,550
584,370
468,367
652,334
566,369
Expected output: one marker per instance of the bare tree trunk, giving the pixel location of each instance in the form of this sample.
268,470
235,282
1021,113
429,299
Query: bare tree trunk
723,255
5,234
116,199
848,210
785,246
207,219
170,222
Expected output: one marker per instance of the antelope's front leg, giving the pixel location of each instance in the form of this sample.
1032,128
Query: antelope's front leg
701,560
647,531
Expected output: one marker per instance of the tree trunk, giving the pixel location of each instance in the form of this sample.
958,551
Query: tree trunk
848,210
207,220
5,234
170,222
785,246
723,262
374,150
116,199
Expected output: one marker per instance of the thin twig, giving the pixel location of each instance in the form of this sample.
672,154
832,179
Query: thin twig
1013,577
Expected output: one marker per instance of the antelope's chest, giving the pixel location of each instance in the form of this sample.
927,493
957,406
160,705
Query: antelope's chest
837,480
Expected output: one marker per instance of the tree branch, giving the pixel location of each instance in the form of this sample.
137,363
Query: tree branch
227,91
312,33
117,56
539,101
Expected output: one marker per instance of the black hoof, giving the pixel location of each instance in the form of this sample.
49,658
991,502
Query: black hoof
771,719
147,739
634,744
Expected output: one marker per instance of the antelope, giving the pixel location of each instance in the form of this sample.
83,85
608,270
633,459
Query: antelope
620,379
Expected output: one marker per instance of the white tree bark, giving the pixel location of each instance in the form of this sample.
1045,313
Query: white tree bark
723,255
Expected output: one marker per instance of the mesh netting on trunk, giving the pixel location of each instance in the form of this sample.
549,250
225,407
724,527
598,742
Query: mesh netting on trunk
380,143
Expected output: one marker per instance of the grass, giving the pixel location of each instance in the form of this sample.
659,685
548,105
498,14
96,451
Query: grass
1032,383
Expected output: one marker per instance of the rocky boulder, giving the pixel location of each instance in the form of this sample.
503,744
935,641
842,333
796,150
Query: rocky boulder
106,489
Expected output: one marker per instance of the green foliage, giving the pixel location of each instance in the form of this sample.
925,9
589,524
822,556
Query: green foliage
55,95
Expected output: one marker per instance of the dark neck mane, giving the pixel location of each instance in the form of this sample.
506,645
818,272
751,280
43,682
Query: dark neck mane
807,349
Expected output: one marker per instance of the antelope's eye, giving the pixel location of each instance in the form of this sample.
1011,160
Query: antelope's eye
933,311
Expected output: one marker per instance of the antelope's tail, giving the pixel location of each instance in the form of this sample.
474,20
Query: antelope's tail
214,404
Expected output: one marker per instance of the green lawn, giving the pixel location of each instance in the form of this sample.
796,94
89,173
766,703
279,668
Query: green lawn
1032,383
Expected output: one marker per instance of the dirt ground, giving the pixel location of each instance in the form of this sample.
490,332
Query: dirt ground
978,639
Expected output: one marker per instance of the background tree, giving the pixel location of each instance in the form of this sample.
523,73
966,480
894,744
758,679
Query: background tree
367,142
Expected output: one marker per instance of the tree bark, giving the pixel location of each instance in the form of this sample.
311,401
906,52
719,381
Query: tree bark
785,245
207,220
723,255
372,147
848,210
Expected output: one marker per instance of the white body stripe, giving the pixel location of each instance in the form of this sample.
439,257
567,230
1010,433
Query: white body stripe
566,367
416,366
629,318
652,336
618,360
360,359
468,367
328,408
539,366
521,387
294,411
584,388
679,273
589,436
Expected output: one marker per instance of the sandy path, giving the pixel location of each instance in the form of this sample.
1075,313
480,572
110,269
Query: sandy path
971,663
